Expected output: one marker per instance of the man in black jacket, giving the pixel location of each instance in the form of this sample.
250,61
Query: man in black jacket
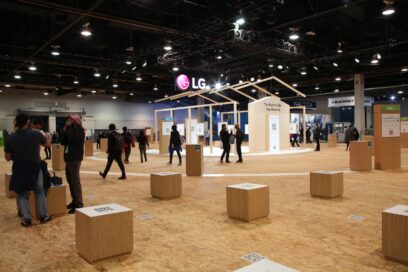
73,139
128,143
115,145
225,139
316,136
239,135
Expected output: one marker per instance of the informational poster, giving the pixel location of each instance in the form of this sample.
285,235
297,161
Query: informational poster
274,144
404,127
166,128
390,125
200,129
180,129
193,132
246,129
293,128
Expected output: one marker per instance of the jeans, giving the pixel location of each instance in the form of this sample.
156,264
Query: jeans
227,148
142,149
178,154
317,144
127,153
118,159
40,201
74,181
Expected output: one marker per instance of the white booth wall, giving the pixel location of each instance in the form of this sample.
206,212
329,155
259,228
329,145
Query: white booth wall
259,114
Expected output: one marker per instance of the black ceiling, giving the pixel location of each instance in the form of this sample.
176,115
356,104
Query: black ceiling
198,32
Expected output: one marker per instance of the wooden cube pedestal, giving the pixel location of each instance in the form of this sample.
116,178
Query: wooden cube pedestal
56,201
194,160
104,144
395,234
327,184
332,140
57,157
7,178
103,231
360,156
247,201
165,185
89,148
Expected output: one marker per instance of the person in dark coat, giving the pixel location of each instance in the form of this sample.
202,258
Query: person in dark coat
128,143
348,137
316,136
225,139
23,148
73,138
142,140
239,135
115,145
175,144
308,135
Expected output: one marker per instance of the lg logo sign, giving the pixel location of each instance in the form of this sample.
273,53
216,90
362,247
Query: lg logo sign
183,83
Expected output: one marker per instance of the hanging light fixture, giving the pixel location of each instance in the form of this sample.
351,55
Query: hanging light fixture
55,50
32,67
86,31
17,76
389,8
240,21
138,78
96,73
293,36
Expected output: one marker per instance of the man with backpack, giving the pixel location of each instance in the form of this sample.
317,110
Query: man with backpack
128,143
115,145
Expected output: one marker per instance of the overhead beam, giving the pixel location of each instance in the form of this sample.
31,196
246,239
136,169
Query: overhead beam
289,87
207,98
243,94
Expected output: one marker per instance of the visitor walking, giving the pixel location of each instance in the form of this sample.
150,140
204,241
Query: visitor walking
128,143
175,144
143,141
23,148
239,135
348,136
47,150
316,136
308,135
73,138
225,139
115,145
207,137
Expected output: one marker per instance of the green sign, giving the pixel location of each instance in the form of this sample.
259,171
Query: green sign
404,118
390,108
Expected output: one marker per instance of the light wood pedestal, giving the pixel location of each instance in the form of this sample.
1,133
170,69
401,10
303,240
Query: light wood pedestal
165,185
395,234
57,157
194,160
104,145
247,201
327,184
360,156
7,178
103,231
332,140
89,148
56,202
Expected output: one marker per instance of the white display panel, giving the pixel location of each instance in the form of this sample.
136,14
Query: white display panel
180,129
274,133
193,132
390,125
404,127
246,129
200,129
166,128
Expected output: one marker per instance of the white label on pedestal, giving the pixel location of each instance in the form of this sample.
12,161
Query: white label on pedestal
328,172
356,217
253,257
390,125
398,209
247,186
266,266
145,217
103,209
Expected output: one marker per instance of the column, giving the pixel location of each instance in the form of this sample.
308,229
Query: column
359,113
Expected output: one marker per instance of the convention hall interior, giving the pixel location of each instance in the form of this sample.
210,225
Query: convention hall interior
242,135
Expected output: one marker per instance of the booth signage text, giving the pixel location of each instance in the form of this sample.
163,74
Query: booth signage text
348,101
184,83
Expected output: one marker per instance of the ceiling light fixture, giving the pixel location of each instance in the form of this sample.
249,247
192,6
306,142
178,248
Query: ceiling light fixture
79,95
389,8
175,68
404,69
336,90
155,88
32,67
76,82
45,93
97,74
400,92
356,60
335,64
311,33
93,91
144,64
7,85
218,57
17,76
280,67
276,93
86,31
240,21
252,79
128,62
317,88
167,47
138,78
115,85
114,97
339,49
293,36
392,97
338,78
294,84
303,73
131,94
316,68
134,68
253,91
166,96
55,50
218,85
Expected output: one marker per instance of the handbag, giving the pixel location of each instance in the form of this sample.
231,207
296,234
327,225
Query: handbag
55,180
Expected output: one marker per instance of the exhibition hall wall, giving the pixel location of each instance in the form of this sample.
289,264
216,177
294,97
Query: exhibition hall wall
99,111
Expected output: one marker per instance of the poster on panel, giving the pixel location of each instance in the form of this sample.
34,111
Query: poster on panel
274,144
390,125
200,129
180,129
246,129
404,127
166,128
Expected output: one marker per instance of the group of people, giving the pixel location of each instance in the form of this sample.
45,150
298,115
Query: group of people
351,134
226,138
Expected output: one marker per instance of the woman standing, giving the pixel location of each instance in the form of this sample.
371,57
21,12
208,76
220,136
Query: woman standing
47,149
175,144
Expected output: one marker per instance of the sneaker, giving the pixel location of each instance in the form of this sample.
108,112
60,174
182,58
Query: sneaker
227,161
45,219
26,223
70,206
239,161
71,211
102,175
122,177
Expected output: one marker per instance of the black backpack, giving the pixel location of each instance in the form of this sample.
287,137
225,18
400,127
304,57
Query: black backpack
46,176
119,141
